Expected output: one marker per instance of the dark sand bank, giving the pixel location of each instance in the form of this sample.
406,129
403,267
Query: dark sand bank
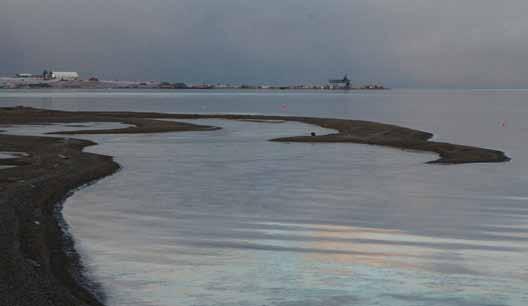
354,131
38,265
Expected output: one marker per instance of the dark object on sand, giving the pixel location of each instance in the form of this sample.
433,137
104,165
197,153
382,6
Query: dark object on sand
312,133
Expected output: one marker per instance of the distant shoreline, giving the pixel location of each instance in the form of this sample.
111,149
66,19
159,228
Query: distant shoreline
39,83
38,262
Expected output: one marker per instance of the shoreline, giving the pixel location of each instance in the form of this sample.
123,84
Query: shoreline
38,261
38,82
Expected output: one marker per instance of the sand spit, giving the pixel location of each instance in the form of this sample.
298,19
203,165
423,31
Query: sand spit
353,131
38,263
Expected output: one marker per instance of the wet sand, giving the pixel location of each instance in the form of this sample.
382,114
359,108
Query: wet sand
38,263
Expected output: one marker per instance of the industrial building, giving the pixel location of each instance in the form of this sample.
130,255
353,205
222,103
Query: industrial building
343,83
64,76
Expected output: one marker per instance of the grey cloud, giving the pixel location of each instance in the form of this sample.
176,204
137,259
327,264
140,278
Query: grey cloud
471,43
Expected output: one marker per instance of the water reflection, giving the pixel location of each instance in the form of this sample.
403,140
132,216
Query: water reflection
228,218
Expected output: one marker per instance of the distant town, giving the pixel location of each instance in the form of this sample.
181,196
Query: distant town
72,80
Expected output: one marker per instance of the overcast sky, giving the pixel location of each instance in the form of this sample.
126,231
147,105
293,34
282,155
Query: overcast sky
401,43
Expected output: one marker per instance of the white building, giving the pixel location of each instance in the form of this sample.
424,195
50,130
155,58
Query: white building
66,76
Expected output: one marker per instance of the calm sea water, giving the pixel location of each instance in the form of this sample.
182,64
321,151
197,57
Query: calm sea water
227,218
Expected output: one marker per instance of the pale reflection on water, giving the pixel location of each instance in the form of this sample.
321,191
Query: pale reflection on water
228,218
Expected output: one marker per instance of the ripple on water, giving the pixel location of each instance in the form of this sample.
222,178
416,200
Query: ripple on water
227,218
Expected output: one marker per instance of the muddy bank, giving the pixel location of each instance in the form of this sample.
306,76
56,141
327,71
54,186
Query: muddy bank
353,131
38,264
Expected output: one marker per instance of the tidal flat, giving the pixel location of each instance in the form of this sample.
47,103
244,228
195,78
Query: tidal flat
53,167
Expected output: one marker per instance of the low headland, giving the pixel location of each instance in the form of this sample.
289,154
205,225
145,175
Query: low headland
38,262
37,82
